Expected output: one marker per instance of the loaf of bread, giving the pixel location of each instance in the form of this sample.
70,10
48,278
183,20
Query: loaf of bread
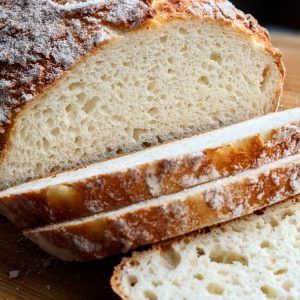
168,216
153,172
256,257
81,81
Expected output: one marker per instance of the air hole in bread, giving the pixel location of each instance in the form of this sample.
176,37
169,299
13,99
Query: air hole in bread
200,251
46,144
116,118
74,86
50,122
187,240
183,31
199,276
203,80
69,108
215,288
55,131
266,75
223,272
274,223
81,97
171,60
176,283
287,213
105,78
163,39
146,145
229,88
216,57
47,112
170,258
90,105
138,133
78,140
127,64
184,49
119,151
280,271
152,86
153,111
78,151
91,128
265,244
132,280
149,295
221,256
270,292
108,149
38,166
156,283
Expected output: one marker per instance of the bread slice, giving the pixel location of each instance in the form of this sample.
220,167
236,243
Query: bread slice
155,220
81,82
256,257
154,172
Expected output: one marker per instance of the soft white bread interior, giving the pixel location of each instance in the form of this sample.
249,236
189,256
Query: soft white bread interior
256,257
144,87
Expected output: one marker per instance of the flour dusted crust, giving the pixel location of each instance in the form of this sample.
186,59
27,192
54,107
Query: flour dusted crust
43,39
120,231
111,191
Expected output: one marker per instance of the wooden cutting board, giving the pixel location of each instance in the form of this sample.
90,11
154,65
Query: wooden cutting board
43,277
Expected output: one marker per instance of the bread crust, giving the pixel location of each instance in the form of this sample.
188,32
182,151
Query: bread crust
134,258
120,231
111,191
78,30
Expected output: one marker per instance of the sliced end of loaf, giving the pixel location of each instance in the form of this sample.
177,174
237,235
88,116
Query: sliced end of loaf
256,257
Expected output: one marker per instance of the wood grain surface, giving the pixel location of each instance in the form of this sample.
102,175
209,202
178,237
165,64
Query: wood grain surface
43,277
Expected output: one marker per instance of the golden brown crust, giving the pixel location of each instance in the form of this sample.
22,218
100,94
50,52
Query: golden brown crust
135,257
107,234
108,192
44,39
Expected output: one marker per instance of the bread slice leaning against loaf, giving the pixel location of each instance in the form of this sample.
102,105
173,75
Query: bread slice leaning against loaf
100,78
256,257
155,220
154,172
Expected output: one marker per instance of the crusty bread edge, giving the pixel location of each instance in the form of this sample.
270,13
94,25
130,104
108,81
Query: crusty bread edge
107,234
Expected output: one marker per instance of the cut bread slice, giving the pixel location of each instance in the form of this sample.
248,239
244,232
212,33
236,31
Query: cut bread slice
153,172
100,78
256,257
155,220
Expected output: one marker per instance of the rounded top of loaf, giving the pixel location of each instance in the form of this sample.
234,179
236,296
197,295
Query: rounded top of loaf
42,39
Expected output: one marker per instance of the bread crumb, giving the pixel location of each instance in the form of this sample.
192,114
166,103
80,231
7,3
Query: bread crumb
13,274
